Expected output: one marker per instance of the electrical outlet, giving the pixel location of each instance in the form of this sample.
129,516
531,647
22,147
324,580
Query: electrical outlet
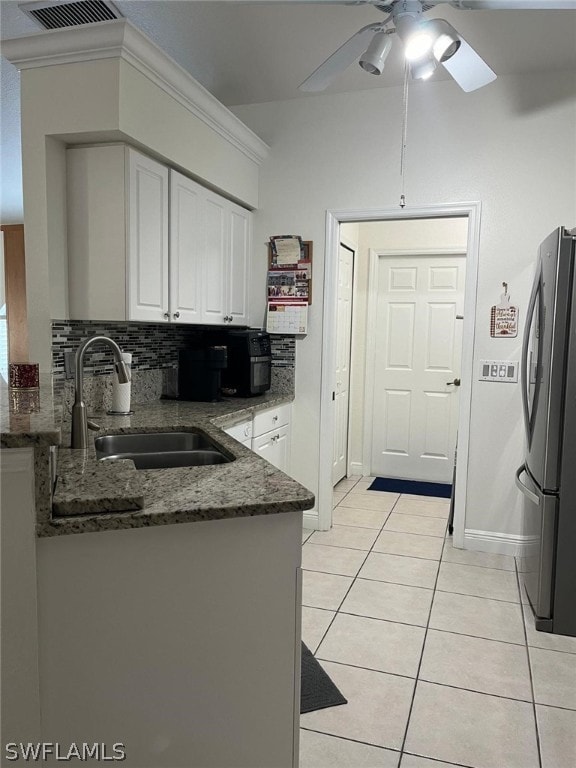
499,370
69,359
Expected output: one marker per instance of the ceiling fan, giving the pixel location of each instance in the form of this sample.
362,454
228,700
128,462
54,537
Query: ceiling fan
427,42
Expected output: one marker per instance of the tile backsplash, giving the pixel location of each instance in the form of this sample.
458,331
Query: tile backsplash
152,346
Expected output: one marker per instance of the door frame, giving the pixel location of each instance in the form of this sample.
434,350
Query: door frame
353,247
375,254
334,218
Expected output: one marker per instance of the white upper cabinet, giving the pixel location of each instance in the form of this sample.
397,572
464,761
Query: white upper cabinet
147,240
146,243
186,249
215,250
226,262
238,264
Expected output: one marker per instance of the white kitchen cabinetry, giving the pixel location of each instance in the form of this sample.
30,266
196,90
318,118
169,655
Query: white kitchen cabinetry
226,261
241,432
180,641
146,243
186,249
271,436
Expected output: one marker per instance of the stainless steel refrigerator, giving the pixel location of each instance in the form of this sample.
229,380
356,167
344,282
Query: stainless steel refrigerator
547,478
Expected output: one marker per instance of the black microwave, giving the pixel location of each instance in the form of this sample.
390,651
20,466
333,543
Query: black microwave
249,366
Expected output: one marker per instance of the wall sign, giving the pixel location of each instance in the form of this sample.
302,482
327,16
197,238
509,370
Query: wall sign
504,317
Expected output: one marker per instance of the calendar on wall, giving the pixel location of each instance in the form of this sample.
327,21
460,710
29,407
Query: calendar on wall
289,284
287,318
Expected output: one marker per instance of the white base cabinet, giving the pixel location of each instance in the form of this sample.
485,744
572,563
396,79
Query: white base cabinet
241,432
268,435
146,243
181,642
271,436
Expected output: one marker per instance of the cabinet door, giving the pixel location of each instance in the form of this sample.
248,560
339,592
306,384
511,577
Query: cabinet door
214,260
147,239
186,198
238,264
273,446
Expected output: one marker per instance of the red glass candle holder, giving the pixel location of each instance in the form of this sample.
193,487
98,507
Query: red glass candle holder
24,376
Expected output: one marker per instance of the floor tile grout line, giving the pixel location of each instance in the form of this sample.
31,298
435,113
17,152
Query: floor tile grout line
474,690
536,729
352,582
425,680
436,760
347,738
483,567
555,706
481,597
478,637
420,664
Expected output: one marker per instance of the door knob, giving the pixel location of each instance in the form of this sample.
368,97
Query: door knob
455,383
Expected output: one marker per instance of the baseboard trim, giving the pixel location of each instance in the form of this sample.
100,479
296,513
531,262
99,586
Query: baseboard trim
356,468
310,520
496,543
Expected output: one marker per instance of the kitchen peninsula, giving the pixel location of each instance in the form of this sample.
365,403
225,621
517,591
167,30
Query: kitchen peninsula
157,608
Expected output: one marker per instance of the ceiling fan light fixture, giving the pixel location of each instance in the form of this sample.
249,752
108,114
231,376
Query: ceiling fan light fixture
415,35
423,68
374,57
418,45
446,40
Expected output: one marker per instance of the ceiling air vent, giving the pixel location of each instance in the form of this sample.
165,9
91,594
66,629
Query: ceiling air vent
54,14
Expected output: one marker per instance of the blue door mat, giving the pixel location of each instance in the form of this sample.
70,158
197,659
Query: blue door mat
442,490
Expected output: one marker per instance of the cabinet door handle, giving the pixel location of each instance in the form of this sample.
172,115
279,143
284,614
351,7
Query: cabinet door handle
176,315
167,315
274,418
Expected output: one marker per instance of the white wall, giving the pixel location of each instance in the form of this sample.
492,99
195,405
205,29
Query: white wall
510,146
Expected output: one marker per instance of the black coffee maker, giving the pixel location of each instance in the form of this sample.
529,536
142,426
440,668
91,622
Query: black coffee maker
199,372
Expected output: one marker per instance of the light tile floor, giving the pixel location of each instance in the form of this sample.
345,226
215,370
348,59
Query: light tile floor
432,646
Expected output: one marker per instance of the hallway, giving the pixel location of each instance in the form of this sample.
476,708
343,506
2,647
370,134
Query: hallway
430,645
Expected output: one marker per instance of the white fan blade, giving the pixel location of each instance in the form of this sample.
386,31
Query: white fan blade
515,5
340,60
468,69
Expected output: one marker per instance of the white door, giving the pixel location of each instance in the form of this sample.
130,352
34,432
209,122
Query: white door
342,373
148,239
417,366
186,251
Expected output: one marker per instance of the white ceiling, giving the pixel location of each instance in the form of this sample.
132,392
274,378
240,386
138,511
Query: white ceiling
255,52
251,52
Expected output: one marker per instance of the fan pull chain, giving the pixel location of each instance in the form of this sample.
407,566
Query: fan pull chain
404,136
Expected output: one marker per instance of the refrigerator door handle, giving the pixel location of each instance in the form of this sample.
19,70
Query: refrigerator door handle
523,488
525,345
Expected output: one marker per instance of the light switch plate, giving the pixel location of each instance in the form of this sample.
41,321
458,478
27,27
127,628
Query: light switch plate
499,370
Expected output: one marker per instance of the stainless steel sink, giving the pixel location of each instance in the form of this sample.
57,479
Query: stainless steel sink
160,450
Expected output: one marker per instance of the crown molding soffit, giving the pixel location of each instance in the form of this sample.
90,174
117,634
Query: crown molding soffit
120,39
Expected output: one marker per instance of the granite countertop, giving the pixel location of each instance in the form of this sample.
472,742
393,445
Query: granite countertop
22,429
93,496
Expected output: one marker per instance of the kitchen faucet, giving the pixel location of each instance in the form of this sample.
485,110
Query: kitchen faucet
80,423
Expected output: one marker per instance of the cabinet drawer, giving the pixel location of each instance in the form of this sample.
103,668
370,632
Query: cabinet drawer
241,432
271,419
